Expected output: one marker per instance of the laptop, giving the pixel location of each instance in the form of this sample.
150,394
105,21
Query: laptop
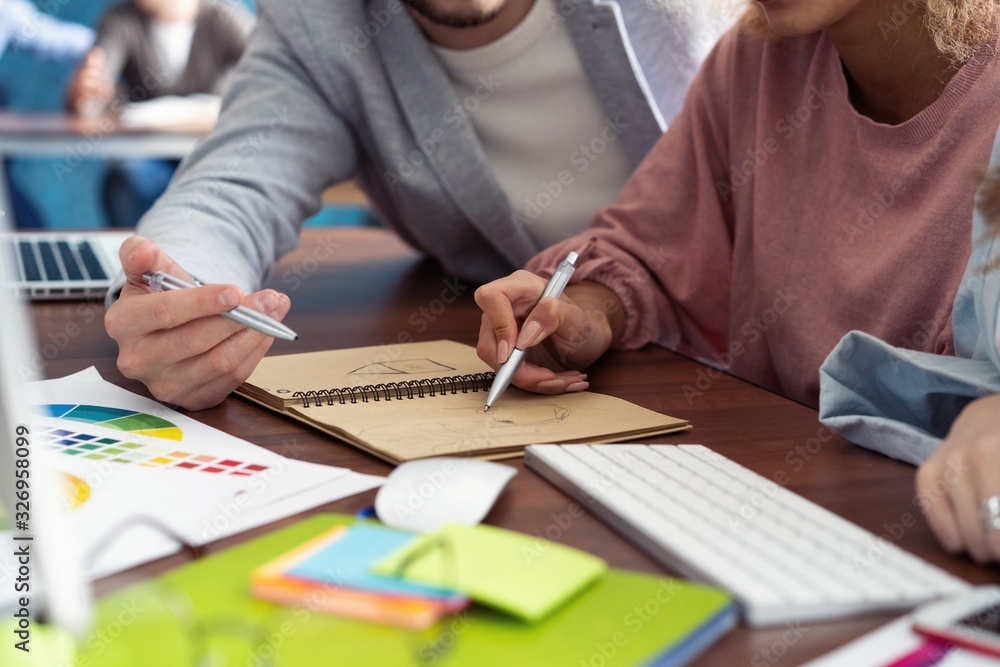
35,531
60,264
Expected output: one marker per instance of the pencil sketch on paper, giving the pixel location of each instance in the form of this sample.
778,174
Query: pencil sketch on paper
471,428
526,415
402,367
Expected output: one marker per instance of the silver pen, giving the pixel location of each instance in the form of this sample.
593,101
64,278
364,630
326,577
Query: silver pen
248,317
557,283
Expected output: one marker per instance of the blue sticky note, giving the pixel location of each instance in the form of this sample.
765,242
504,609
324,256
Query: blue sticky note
347,561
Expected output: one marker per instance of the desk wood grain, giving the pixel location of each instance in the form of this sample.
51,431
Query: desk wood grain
354,287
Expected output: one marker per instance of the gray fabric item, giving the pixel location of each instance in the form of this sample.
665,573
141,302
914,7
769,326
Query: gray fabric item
329,91
902,403
898,402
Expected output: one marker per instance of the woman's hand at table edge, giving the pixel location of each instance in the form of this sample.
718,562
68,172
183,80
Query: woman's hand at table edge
955,482
173,342
563,336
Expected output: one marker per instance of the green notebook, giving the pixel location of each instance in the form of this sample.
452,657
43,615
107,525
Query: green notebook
205,609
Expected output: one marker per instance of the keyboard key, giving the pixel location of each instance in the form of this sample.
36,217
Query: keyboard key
69,261
49,262
90,263
29,262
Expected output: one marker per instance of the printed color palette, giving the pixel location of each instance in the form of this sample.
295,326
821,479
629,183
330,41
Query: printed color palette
116,418
77,442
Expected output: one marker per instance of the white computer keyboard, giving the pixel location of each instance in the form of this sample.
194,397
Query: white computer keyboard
781,556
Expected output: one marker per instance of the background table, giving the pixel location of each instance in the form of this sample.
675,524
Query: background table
354,287
77,138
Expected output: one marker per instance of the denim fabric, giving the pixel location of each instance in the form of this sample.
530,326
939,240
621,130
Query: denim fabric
902,403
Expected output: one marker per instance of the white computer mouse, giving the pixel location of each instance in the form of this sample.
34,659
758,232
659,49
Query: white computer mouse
425,494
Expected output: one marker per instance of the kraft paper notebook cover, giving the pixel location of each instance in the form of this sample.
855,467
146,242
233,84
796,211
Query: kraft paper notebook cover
205,607
403,402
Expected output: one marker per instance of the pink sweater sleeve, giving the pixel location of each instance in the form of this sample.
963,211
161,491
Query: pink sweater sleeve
664,247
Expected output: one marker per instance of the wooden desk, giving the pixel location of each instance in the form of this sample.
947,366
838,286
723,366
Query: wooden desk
75,138
353,287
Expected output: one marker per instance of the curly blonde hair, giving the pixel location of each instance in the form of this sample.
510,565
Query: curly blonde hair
959,27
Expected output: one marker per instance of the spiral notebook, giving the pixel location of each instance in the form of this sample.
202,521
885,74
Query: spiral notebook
416,400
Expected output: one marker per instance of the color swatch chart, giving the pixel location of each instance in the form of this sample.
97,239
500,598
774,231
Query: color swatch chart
124,450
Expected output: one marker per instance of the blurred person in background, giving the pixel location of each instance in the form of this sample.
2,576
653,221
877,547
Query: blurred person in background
24,28
154,48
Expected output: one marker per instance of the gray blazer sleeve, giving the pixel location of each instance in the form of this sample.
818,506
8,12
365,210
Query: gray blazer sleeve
247,187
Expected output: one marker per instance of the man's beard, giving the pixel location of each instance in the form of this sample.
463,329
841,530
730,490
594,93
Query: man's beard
469,18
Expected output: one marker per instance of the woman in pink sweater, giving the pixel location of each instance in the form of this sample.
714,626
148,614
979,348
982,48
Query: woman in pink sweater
818,180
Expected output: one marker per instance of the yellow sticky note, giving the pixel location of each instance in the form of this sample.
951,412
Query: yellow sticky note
513,572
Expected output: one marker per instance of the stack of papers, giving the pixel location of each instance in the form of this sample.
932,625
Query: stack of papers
135,475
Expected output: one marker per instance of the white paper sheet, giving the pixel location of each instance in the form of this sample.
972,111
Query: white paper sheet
131,456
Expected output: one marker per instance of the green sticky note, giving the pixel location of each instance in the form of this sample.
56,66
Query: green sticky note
513,572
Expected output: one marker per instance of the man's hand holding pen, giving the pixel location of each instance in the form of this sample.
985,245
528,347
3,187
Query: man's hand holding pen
173,342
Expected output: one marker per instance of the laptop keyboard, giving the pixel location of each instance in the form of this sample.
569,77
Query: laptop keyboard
782,557
52,266
41,259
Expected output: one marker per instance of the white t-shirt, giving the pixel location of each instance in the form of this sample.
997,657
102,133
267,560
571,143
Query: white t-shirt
557,167
172,41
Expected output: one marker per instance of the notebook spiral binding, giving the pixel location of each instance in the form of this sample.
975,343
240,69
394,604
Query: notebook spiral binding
473,382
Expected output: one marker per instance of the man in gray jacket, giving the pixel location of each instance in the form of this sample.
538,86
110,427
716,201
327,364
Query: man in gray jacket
481,131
